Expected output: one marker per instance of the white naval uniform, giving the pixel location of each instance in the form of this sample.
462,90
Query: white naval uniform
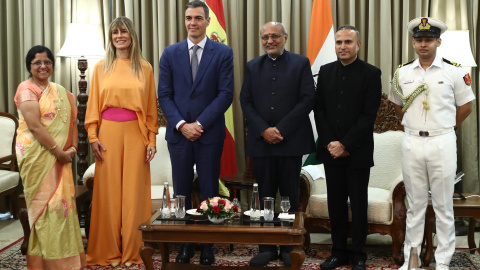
430,162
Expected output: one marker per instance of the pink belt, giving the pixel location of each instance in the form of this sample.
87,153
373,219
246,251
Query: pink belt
119,115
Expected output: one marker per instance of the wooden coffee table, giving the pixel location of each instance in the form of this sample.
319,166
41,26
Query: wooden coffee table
469,208
157,234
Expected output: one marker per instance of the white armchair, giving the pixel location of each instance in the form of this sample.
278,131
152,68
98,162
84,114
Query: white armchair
9,178
386,191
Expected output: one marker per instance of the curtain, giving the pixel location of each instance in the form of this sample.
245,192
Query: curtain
386,42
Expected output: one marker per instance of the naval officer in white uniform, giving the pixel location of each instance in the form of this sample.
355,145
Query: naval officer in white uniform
434,96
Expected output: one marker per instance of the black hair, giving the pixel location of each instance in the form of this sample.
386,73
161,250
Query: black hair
31,55
195,4
349,27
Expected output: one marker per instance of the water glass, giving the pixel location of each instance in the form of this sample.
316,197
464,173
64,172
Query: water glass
268,208
285,204
180,206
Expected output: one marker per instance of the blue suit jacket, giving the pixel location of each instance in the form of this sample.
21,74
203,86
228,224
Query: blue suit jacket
204,100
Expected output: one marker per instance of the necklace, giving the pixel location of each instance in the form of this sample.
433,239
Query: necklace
60,108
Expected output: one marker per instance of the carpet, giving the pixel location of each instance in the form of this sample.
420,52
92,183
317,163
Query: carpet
379,258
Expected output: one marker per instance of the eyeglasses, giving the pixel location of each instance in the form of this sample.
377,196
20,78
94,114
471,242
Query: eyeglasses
272,36
39,63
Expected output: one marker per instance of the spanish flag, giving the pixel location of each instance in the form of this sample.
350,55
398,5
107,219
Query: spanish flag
321,48
216,31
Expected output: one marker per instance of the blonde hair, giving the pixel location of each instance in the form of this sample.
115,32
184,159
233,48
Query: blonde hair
135,52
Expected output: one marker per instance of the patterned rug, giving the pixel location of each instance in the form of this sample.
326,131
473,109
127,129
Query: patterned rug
379,258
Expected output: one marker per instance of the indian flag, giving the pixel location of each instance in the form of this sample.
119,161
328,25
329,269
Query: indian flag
321,48
216,31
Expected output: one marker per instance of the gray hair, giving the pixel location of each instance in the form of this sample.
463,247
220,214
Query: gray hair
284,30
349,27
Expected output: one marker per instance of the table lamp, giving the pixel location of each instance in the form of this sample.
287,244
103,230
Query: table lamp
456,48
83,41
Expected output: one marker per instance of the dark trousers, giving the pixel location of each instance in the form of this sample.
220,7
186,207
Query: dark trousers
183,156
278,173
344,182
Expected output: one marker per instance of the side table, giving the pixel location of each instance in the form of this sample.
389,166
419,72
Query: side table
469,208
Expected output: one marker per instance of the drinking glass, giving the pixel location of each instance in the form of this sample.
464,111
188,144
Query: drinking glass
285,204
180,206
237,204
268,208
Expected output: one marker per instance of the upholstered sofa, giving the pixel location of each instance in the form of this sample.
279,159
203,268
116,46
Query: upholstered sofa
386,191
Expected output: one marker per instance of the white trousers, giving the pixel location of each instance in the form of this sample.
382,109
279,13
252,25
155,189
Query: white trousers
430,163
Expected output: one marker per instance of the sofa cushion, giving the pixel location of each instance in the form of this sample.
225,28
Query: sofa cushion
379,206
387,156
8,180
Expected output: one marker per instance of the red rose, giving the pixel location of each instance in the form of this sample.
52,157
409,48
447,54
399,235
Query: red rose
235,208
221,202
216,209
198,208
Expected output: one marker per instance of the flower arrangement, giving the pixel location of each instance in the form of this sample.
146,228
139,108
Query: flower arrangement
216,207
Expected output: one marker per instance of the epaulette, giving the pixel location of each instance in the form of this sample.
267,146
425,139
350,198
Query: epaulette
450,62
404,64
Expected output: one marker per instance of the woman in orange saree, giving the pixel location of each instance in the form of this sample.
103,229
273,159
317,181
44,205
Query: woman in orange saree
46,143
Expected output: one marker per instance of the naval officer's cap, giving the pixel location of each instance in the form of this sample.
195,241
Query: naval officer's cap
426,27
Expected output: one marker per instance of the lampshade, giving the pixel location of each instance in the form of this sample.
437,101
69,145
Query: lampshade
456,48
83,40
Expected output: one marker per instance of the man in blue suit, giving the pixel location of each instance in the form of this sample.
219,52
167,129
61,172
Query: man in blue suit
195,88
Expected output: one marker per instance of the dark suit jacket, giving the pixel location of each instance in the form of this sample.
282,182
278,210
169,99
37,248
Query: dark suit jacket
278,94
206,99
346,104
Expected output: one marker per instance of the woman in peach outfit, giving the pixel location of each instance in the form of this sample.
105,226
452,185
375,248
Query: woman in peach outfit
121,122
46,143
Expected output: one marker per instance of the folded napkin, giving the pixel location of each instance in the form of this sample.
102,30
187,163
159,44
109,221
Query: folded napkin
286,216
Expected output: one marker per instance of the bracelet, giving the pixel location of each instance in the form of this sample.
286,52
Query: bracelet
183,124
74,148
52,148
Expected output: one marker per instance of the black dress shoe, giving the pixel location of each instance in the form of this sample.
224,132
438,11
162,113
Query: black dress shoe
185,253
207,257
263,258
332,263
359,265
287,260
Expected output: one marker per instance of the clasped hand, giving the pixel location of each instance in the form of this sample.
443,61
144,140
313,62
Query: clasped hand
192,131
337,150
272,135
64,156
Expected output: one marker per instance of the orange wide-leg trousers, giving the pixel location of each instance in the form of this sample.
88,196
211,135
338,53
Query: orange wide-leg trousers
121,195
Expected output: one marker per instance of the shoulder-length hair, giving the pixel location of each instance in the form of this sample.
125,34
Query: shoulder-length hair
135,52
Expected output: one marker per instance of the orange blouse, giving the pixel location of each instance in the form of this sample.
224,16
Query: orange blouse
27,91
122,89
